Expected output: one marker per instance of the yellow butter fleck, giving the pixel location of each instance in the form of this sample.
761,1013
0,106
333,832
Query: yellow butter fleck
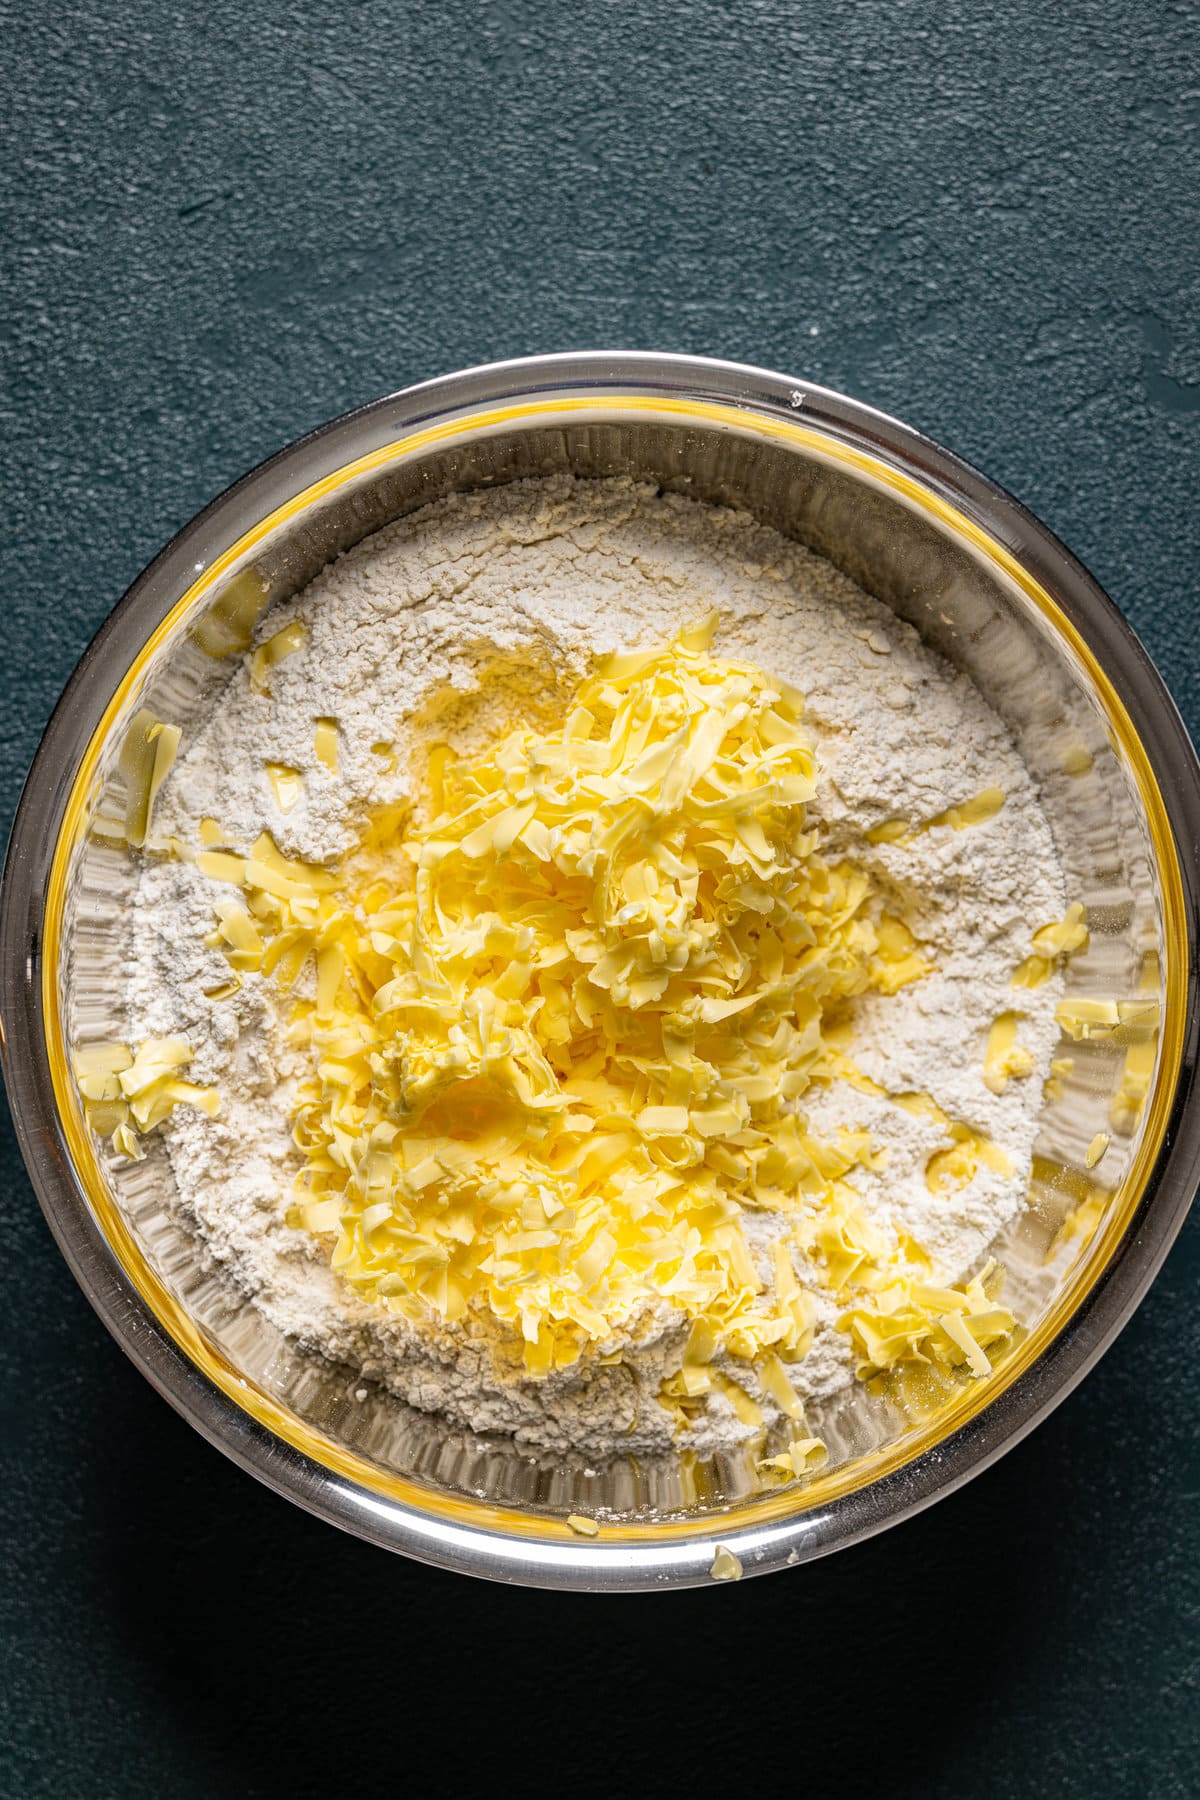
1066,936
1139,1019
1096,1149
147,753
320,1216
153,1062
976,811
891,831
1079,1226
898,960
221,865
747,1409
128,1144
107,1117
238,935
100,1065
1060,1070
807,1454
228,626
1082,1017
325,743
1005,1059
127,1091
957,1165
1052,945
285,642
775,1380
959,1333
583,1526
803,1456
224,990
725,1565
286,785
1137,1074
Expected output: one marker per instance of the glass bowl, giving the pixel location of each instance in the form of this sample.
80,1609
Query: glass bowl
983,582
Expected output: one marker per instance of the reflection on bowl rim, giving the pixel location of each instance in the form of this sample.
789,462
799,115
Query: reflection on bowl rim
518,1545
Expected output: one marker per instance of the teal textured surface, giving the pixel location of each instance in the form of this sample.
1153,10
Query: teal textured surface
222,227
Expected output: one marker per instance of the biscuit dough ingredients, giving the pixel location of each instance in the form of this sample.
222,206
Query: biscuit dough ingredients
572,975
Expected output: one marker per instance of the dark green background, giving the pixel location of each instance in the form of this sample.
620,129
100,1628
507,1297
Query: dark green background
222,224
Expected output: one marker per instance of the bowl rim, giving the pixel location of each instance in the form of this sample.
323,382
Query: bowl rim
607,377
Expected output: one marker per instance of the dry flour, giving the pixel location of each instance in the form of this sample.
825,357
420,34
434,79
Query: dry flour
463,619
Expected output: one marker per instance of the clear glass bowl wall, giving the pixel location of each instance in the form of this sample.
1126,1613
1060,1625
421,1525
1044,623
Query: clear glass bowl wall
899,548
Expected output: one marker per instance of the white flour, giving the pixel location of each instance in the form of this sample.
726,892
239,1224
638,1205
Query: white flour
524,586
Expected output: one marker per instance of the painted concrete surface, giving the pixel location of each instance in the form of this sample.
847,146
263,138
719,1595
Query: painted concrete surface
222,225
